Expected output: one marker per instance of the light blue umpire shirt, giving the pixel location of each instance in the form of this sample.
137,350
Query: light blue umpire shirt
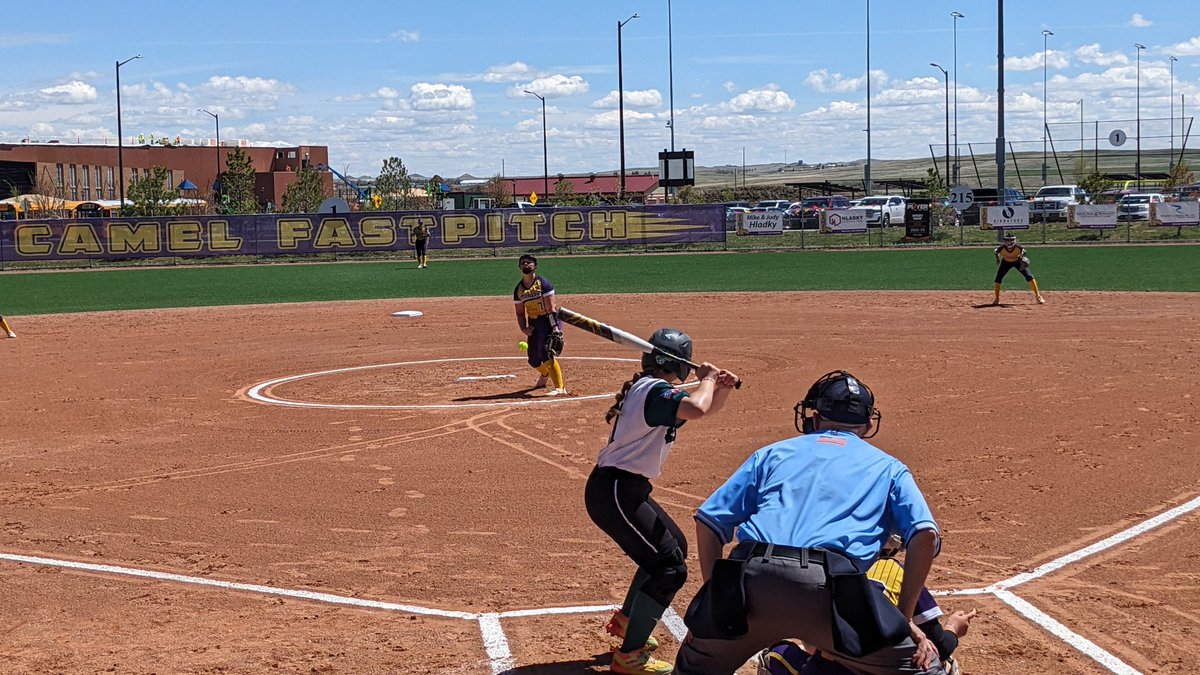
830,490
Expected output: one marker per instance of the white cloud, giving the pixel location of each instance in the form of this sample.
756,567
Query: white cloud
1092,54
1054,59
71,92
612,119
246,86
407,36
41,129
730,87
1188,48
553,86
768,100
822,81
387,92
507,73
1139,21
427,96
645,98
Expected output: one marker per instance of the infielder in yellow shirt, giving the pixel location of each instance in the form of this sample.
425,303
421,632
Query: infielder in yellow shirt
1011,255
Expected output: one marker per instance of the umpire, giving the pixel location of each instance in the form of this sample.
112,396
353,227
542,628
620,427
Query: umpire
811,514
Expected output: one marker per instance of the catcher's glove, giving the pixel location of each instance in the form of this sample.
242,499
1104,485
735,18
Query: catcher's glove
554,343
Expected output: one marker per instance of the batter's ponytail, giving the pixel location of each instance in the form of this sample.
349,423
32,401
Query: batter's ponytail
616,407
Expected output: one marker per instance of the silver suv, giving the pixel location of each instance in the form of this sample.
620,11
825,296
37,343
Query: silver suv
1053,202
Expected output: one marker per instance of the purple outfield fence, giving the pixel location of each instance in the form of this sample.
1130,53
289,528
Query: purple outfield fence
285,234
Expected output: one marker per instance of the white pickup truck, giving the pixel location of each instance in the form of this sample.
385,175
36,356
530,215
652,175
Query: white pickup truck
1053,202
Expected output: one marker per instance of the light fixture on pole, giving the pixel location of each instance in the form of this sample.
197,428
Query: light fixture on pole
1045,124
217,119
1173,60
867,170
545,156
957,16
120,141
1137,167
946,78
621,105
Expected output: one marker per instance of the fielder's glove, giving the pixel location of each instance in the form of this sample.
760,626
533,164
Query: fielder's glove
554,343
1023,264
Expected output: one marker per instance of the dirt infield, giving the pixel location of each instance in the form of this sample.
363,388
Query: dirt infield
384,515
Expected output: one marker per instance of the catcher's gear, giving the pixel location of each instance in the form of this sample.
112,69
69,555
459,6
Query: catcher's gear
839,397
669,342
554,343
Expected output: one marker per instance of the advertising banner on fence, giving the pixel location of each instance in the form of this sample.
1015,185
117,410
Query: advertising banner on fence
1092,216
285,234
760,222
1175,213
1011,217
844,221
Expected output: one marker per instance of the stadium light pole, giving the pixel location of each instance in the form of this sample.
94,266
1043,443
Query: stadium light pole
621,105
1138,163
946,78
867,170
120,141
545,156
1173,60
217,119
956,16
671,75
1045,123
1001,192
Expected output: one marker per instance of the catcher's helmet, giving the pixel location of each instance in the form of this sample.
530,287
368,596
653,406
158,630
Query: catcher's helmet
669,342
839,397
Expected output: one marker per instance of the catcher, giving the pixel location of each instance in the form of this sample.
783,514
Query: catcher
1010,254
537,317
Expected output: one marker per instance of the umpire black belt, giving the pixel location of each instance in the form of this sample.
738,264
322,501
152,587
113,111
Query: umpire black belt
746,550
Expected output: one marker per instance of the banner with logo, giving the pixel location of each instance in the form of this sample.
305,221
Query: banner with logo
285,234
1010,217
759,222
1175,213
1092,216
844,221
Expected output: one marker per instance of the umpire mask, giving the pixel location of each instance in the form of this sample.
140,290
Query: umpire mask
838,397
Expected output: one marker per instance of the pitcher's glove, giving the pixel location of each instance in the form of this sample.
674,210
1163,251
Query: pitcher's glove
554,343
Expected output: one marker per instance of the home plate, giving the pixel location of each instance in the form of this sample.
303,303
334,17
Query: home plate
473,378
407,313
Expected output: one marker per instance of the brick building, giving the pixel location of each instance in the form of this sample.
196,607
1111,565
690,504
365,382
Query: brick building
88,172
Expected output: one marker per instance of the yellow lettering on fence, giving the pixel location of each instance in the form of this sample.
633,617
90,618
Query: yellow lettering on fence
184,236
79,238
560,226
292,231
457,228
527,225
28,240
608,225
377,231
134,238
219,238
334,233
493,227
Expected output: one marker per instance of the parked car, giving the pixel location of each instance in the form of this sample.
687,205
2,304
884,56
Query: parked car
989,197
1137,206
811,208
772,205
731,213
1053,202
883,210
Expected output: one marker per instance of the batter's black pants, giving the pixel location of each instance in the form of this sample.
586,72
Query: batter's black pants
619,503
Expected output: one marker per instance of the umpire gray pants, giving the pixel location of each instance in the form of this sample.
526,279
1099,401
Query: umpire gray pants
785,599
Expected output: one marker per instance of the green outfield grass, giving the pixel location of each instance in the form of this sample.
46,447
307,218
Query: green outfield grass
1107,268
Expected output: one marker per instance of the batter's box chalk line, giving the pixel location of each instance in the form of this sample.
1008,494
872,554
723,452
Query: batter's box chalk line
496,642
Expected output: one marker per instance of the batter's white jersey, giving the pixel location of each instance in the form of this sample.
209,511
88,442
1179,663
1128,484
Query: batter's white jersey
636,446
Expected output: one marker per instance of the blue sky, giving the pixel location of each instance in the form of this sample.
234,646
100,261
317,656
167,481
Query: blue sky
440,84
